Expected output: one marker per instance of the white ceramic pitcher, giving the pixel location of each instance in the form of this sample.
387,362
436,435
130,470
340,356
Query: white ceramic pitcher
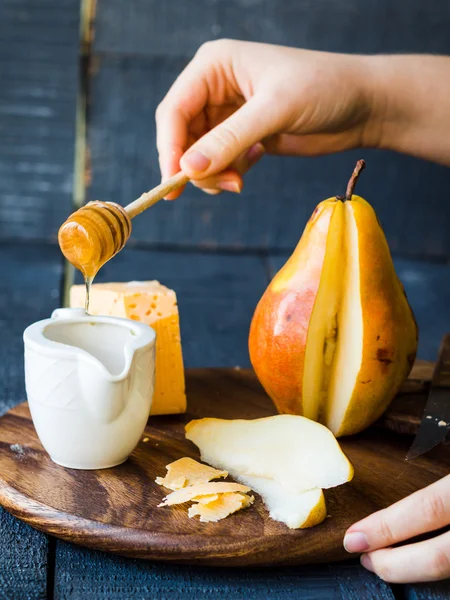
89,383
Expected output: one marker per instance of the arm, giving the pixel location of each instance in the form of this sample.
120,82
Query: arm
411,95
237,100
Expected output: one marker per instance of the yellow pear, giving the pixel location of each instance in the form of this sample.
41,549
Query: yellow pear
333,337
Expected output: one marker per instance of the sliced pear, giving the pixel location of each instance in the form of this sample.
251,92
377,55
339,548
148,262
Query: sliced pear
349,349
322,330
298,510
333,337
297,452
279,328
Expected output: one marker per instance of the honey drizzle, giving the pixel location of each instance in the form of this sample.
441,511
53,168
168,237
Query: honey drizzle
88,283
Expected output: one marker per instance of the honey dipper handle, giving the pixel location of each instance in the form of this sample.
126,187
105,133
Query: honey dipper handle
156,194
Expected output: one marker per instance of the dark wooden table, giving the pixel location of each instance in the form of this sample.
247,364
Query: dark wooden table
218,254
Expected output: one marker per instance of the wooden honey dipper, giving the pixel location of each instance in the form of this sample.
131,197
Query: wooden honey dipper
99,230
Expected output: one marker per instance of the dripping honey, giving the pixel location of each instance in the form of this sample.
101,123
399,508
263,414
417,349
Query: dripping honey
93,235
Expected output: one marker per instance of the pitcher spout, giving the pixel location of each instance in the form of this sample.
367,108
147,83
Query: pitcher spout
104,397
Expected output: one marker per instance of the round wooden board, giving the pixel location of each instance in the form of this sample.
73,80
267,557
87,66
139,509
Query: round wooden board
115,510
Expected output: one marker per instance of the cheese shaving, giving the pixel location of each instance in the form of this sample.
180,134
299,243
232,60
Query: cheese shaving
225,505
193,492
208,499
187,472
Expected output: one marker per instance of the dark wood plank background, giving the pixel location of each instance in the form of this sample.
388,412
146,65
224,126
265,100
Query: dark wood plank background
218,253
38,90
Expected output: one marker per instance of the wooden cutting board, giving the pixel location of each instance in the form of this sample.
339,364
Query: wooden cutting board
116,510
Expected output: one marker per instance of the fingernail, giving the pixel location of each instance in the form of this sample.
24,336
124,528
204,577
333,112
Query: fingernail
229,186
356,542
366,562
255,153
195,161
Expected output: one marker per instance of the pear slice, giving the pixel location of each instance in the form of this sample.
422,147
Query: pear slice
322,330
298,453
297,510
349,349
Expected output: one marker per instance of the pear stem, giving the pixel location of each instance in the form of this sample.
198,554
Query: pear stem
354,178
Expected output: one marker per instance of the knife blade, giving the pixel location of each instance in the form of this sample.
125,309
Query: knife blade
435,422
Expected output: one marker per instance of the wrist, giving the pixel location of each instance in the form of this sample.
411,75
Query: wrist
379,97
400,88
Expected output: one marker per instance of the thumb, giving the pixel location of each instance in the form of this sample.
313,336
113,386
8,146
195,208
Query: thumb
217,149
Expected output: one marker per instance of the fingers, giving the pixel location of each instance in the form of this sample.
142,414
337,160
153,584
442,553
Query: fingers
180,107
424,511
424,561
231,180
170,165
217,149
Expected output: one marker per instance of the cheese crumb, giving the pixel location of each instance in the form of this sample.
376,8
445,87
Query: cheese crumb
186,472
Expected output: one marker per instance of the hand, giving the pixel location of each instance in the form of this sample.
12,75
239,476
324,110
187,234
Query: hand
424,511
237,100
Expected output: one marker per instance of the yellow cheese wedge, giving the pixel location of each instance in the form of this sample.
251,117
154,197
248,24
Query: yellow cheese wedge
218,509
156,305
194,492
187,471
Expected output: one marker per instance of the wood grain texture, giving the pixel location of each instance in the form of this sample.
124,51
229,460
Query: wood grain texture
140,49
39,75
29,290
217,294
116,510
428,288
